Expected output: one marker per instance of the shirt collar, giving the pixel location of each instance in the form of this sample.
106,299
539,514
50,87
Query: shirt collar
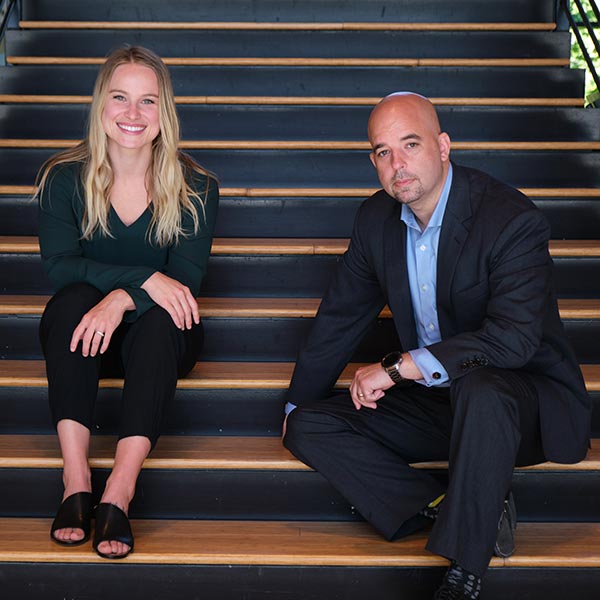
409,218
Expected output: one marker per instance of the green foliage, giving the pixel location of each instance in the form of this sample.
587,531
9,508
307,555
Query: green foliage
577,60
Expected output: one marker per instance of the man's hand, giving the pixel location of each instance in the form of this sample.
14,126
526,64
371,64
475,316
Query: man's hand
175,298
369,385
97,325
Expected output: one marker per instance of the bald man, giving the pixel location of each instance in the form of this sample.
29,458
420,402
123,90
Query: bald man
483,375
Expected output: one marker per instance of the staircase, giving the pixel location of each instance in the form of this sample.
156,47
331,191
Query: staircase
274,97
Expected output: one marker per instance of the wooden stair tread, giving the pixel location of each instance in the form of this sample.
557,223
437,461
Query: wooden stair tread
207,452
226,307
329,192
301,246
218,375
295,543
304,100
306,62
328,26
318,145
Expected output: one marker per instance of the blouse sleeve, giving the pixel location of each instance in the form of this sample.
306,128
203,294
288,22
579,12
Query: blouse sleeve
187,260
61,212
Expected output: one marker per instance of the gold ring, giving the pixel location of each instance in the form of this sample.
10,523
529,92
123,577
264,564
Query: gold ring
361,395
100,333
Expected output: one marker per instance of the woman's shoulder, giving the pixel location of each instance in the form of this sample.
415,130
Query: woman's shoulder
64,173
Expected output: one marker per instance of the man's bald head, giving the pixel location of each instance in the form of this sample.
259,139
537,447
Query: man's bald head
418,106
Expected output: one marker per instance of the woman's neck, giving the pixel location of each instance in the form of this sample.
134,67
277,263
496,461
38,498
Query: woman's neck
129,163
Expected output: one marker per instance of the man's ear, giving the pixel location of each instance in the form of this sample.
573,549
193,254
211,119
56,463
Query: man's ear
372,157
444,145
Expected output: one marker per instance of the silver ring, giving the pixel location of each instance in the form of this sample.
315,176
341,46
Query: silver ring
100,333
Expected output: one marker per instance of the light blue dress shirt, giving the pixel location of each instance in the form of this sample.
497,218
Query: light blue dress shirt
421,262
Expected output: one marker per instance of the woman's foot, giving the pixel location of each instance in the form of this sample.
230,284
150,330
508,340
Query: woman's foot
72,523
113,537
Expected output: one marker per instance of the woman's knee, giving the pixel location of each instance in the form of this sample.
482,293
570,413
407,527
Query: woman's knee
66,308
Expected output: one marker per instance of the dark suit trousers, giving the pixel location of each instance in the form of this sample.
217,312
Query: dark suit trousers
150,353
483,425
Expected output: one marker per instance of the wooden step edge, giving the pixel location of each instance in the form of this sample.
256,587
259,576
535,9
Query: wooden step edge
299,246
275,308
317,145
274,26
294,543
238,192
219,375
210,453
306,62
302,100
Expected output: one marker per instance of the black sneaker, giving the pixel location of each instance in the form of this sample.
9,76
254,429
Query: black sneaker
507,524
458,584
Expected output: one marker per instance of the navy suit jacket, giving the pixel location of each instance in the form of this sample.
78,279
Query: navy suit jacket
495,301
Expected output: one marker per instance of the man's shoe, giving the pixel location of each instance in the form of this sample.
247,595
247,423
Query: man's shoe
505,539
458,584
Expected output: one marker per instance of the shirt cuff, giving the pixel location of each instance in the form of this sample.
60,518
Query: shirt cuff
289,407
431,368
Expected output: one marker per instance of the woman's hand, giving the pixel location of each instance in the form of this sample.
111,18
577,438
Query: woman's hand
175,298
97,325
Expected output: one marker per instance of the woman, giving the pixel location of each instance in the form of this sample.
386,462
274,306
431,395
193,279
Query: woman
126,223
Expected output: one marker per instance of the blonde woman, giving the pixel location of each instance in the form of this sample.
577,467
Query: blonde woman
126,223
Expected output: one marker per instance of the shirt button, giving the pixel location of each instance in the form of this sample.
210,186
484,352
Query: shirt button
436,375
424,287
422,247
431,326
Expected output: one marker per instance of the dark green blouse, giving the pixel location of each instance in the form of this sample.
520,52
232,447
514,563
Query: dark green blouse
126,259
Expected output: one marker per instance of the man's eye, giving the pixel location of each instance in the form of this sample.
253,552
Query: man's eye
383,153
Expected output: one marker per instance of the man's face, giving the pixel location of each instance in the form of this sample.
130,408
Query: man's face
409,153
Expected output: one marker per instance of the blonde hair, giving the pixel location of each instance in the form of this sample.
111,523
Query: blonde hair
170,169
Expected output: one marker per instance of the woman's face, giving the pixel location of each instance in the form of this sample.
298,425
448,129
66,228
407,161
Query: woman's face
130,116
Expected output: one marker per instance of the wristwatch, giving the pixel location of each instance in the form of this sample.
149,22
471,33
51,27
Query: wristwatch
391,365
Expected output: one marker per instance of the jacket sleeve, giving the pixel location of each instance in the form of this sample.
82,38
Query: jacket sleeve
517,296
353,300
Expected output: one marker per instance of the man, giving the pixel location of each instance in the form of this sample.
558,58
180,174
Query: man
484,376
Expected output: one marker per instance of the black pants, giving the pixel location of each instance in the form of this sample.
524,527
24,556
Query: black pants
150,353
484,424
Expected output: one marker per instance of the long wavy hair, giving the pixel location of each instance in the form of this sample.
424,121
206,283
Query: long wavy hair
170,169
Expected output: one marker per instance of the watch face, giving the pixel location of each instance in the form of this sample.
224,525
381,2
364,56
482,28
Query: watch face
389,360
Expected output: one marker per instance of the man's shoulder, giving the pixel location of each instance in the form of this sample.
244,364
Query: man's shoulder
379,205
490,194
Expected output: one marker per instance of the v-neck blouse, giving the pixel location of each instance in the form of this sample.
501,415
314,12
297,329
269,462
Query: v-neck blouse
127,258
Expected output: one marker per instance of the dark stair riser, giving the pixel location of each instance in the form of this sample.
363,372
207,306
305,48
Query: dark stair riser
293,44
280,495
270,276
345,168
576,218
385,11
323,123
233,412
318,81
274,339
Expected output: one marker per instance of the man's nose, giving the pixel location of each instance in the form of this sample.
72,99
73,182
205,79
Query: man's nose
398,160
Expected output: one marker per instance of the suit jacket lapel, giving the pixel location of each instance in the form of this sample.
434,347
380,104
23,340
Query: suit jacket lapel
396,280
454,233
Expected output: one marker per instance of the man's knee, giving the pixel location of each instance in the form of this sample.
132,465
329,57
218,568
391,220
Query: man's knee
486,392
305,426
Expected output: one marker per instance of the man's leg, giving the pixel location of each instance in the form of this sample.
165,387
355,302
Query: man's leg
365,454
495,426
